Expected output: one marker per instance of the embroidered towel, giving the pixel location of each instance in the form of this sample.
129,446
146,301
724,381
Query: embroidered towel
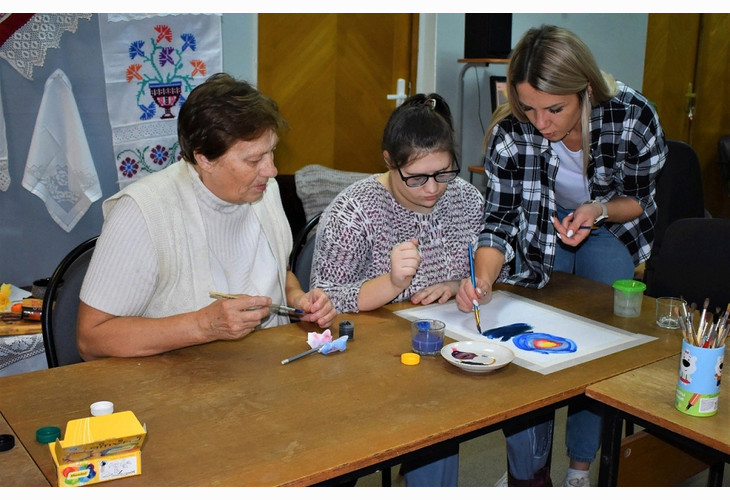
151,64
60,170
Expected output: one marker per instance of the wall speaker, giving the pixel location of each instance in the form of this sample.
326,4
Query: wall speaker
487,36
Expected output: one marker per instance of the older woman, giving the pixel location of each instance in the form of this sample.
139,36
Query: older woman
211,222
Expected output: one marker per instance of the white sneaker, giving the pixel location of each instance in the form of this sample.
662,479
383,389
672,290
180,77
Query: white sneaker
502,481
577,482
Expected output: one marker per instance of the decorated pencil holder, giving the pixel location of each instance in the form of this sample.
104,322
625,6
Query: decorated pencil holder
698,385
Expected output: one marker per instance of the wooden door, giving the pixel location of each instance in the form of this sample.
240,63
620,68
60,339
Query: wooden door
669,69
330,75
687,54
712,110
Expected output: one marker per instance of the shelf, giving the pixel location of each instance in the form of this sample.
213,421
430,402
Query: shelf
485,61
460,91
475,169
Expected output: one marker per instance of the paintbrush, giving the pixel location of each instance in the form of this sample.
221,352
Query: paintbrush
275,308
474,284
301,355
722,329
691,322
682,324
703,321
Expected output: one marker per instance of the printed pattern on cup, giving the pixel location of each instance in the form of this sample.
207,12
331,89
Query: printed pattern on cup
698,384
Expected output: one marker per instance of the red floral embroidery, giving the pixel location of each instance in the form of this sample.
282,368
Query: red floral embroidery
164,32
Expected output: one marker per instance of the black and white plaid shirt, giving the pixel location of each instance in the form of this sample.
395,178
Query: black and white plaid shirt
627,152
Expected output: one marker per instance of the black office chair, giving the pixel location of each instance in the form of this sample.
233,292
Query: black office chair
692,262
679,194
61,306
723,161
300,260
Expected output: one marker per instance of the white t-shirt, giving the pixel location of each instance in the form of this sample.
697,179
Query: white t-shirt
571,185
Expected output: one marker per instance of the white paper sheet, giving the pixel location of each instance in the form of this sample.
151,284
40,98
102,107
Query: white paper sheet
590,339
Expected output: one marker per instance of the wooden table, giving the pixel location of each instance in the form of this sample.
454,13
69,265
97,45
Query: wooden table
229,414
646,396
16,466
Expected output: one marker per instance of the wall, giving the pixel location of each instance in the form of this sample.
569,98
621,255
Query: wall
31,243
616,40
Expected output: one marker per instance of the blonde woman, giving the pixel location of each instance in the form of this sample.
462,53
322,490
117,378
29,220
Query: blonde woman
571,161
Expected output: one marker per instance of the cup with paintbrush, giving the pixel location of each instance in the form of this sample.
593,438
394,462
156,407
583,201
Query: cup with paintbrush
701,360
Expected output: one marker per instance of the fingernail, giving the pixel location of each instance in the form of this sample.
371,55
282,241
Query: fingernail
558,235
476,304
570,233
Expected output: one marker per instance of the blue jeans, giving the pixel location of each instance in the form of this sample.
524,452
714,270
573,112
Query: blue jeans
436,465
442,472
601,257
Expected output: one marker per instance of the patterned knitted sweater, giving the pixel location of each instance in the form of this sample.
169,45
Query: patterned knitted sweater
364,222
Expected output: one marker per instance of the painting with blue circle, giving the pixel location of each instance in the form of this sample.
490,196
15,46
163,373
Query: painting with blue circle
524,338
543,338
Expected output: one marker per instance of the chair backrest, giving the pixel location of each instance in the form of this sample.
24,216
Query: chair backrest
300,260
723,161
61,306
692,262
679,193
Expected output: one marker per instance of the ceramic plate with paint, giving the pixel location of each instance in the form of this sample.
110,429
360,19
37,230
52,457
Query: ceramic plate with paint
477,357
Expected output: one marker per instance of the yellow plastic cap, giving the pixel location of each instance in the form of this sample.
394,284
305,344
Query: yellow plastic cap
410,358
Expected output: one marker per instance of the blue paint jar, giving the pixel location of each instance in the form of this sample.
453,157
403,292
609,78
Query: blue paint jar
427,336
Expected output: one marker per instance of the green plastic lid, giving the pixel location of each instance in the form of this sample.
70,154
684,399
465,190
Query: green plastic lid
47,434
629,286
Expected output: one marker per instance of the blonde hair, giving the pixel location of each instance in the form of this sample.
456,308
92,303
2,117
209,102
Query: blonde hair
555,61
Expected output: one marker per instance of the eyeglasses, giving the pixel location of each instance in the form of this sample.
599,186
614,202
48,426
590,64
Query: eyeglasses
421,179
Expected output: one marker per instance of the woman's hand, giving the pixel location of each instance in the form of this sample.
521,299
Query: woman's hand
233,318
440,292
576,226
404,261
317,308
468,296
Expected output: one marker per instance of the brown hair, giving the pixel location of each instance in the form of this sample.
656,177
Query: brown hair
222,111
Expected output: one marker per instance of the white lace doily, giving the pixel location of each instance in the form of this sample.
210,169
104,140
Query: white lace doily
4,172
26,48
4,175
14,348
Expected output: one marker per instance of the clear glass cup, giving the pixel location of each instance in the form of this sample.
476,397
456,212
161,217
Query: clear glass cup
427,336
668,310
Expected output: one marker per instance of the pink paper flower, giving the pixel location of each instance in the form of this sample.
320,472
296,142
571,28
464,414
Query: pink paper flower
315,339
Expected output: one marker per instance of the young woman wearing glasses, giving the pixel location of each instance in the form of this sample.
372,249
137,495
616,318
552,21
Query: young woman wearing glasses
403,235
